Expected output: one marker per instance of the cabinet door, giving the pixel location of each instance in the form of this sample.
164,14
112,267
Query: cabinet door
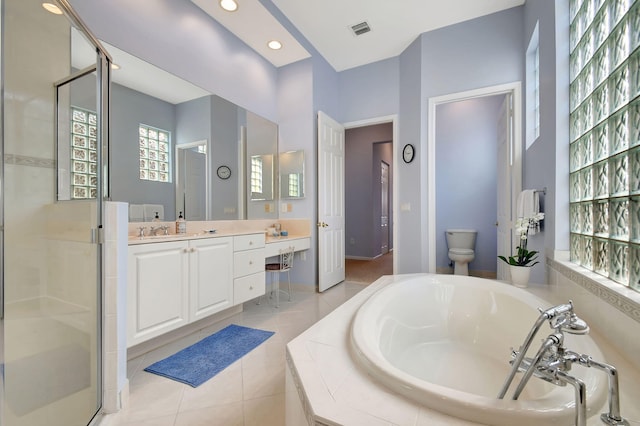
157,290
211,279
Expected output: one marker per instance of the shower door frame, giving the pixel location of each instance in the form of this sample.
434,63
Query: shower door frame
102,68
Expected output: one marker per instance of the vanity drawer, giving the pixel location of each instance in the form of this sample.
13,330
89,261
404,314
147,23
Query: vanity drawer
248,262
249,287
248,242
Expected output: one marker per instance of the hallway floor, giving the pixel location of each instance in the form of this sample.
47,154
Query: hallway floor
367,271
250,391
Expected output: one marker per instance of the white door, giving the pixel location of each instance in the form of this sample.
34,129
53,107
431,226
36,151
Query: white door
505,158
384,202
330,202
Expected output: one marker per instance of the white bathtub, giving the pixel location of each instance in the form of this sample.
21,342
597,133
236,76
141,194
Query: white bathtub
445,342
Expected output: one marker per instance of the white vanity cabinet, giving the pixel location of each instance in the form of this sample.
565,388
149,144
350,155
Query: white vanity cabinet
210,276
158,298
248,267
174,283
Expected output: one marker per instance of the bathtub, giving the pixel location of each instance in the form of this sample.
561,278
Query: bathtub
445,342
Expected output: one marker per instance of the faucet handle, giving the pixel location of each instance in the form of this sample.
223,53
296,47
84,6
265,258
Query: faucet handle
141,230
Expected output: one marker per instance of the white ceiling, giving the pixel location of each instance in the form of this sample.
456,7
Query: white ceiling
327,25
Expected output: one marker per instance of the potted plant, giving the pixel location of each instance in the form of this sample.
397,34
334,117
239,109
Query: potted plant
520,264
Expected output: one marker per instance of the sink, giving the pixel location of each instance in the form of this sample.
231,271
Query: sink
153,237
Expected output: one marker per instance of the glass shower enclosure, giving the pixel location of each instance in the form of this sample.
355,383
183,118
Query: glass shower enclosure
53,180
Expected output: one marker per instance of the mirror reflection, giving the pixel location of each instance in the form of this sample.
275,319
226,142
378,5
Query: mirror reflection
261,180
192,175
291,165
175,125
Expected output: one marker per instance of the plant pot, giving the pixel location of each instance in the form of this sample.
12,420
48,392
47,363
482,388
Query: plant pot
520,275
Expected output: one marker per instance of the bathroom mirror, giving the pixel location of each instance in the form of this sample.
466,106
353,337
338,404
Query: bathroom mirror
260,167
143,94
291,166
192,177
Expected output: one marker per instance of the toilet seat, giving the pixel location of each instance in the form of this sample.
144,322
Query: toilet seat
461,251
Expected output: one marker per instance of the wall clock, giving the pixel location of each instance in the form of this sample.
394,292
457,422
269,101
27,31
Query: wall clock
408,152
224,172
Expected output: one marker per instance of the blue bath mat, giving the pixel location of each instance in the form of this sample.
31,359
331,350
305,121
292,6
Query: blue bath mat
203,360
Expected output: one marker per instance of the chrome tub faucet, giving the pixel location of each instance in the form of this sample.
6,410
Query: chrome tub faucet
552,361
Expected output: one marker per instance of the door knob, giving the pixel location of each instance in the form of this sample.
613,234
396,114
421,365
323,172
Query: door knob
322,225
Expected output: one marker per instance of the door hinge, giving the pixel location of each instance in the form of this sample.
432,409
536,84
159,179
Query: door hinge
97,235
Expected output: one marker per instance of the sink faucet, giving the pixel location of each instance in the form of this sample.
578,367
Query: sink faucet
552,361
153,230
141,230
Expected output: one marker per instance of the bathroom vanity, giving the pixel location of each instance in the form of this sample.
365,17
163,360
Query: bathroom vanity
176,280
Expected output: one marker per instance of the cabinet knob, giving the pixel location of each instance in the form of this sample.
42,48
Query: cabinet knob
185,250
250,287
193,249
251,262
250,243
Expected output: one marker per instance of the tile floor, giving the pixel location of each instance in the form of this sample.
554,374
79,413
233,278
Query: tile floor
250,391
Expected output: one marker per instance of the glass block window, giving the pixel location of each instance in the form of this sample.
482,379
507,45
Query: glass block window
604,128
84,154
256,174
294,185
155,158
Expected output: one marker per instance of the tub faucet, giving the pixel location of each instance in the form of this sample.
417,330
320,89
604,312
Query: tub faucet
551,314
552,361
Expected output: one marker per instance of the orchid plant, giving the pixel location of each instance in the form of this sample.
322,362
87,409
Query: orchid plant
523,256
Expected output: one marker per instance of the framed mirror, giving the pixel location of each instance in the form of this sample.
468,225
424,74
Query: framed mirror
291,166
192,180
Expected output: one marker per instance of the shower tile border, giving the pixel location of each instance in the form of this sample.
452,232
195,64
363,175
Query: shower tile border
595,284
25,160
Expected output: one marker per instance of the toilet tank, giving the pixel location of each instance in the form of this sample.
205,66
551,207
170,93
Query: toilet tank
461,238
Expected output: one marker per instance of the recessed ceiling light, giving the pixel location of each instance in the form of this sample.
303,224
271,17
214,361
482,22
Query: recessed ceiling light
229,5
50,7
275,45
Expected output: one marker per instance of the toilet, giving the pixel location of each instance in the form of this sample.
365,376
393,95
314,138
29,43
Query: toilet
461,243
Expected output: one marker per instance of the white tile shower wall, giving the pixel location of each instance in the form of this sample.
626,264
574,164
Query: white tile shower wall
615,317
28,140
115,281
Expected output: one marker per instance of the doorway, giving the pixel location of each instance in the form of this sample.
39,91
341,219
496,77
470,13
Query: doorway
510,173
369,165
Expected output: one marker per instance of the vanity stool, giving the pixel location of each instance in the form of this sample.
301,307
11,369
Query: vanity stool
284,265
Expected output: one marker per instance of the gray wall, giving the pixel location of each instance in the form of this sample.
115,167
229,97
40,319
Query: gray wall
546,162
362,187
129,109
466,176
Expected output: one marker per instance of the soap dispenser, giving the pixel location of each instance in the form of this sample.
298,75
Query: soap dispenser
181,225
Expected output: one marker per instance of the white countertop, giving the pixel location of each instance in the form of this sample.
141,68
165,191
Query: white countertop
134,240
339,392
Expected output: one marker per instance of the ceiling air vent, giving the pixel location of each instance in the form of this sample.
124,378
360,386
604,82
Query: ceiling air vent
361,28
